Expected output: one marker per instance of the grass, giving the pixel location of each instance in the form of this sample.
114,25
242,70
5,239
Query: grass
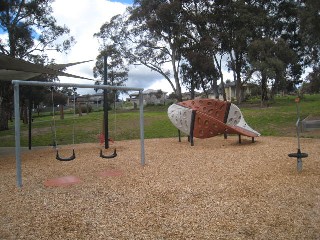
276,120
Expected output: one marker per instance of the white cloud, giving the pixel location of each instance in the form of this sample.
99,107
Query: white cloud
83,18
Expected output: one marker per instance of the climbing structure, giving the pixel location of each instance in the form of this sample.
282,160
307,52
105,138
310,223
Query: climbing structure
205,118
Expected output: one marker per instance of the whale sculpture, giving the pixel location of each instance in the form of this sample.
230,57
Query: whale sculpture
205,118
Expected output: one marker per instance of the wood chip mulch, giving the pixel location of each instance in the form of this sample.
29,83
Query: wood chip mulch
217,189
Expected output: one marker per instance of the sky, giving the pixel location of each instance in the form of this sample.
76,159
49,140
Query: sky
84,18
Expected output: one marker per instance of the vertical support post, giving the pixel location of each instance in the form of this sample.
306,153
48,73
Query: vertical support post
179,135
193,119
299,159
30,122
298,122
105,103
17,134
141,128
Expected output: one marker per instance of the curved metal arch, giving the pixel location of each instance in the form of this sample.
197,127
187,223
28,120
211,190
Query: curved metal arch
113,155
72,157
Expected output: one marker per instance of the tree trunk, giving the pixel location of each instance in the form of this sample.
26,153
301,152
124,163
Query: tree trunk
61,112
264,90
5,89
79,110
219,66
4,120
24,114
238,88
192,89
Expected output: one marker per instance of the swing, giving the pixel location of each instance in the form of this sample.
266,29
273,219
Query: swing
58,157
114,154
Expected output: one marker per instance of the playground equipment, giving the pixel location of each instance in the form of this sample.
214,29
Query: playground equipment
299,155
55,143
205,118
17,84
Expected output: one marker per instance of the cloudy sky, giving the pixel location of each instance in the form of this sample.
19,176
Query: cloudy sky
84,18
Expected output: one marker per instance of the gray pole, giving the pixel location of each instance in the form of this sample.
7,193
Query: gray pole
141,127
17,133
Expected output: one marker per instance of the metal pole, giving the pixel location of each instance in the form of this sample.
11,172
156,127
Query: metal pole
105,103
17,134
298,123
299,159
141,128
30,121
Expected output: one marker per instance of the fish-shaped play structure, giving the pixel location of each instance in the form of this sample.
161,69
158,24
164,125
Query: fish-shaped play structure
205,118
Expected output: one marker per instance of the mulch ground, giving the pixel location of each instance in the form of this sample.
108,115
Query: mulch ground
217,189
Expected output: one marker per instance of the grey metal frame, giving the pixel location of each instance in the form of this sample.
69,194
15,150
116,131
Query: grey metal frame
17,84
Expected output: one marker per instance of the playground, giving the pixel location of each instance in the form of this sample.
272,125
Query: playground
216,189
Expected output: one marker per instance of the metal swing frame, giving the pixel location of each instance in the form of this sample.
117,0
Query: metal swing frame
17,84
58,157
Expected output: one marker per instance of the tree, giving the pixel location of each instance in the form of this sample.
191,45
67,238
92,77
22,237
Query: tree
117,71
203,49
313,81
31,29
310,29
272,60
149,33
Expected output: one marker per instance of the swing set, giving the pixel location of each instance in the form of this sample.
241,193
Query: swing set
17,84
54,130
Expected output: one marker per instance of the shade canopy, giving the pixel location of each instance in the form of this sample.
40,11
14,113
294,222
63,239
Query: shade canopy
17,69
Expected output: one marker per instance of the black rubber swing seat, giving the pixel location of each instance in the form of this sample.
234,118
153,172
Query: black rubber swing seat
298,154
113,155
72,157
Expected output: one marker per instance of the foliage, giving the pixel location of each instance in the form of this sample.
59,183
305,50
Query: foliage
197,37
116,72
31,29
313,82
149,34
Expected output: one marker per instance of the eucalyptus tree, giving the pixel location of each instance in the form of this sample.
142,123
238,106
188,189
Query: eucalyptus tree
30,30
115,66
271,60
200,51
313,81
309,16
224,30
276,52
149,33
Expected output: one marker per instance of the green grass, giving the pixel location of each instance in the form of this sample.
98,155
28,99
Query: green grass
276,120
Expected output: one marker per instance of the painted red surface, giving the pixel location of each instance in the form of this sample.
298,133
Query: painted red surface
62,181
